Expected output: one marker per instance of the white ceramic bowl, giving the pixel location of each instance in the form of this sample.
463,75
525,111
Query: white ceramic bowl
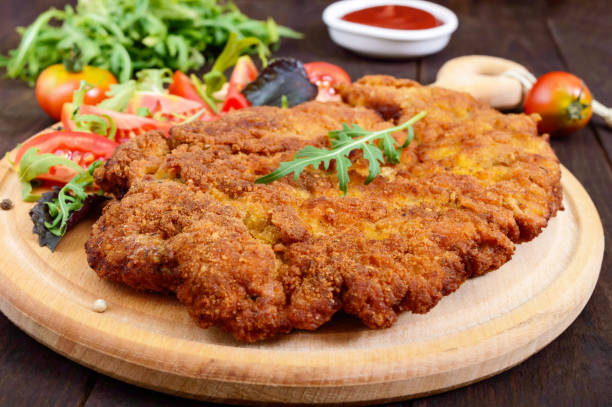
384,42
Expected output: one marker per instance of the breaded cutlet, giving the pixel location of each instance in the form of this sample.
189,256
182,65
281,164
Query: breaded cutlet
260,260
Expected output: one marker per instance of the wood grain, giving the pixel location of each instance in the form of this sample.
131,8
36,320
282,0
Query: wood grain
492,323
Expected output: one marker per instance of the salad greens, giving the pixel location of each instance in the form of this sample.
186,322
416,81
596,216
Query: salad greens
150,80
125,36
33,164
90,123
69,199
59,210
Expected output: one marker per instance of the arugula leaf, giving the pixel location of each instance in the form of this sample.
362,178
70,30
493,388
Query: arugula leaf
16,63
200,88
39,215
147,80
343,142
42,218
215,78
69,199
119,96
32,165
103,124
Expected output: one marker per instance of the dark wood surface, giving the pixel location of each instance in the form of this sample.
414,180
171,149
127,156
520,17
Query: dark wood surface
574,370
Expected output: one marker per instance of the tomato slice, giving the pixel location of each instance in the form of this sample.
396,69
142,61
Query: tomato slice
183,86
82,148
174,108
244,73
128,125
325,76
234,100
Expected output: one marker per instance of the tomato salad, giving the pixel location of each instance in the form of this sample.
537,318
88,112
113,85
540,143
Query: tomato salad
99,116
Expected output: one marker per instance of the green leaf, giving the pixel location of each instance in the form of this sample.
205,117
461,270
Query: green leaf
127,35
119,96
214,81
70,199
393,155
154,80
375,157
234,48
342,164
201,89
32,165
343,142
28,42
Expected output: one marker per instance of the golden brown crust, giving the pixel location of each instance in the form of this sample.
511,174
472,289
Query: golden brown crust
260,260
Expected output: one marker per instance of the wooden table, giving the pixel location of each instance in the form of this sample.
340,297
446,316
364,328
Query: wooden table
544,36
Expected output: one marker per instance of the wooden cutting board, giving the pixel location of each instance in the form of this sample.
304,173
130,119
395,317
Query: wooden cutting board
490,324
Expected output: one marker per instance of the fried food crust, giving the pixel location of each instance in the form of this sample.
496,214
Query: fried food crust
261,260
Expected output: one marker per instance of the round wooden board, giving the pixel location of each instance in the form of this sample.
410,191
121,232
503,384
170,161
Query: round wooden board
491,323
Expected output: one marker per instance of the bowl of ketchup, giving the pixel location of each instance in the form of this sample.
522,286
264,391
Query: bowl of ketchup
390,28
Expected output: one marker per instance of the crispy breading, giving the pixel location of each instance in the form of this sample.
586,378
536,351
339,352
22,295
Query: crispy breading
260,260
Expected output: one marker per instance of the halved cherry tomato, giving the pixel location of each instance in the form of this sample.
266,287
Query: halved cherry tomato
325,76
563,101
82,148
174,108
244,73
56,85
183,86
128,125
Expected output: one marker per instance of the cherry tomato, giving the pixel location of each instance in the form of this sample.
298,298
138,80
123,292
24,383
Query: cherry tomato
325,76
563,101
172,107
56,85
82,148
128,125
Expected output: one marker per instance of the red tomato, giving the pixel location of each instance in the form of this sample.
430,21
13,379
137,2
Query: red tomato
173,108
82,148
563,101
128,125
182,86
234,100
56,85
244,73
325,76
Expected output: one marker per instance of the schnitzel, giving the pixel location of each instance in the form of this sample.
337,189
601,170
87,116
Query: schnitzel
260,260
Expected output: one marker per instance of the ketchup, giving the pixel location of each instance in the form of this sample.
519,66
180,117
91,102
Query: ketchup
394,17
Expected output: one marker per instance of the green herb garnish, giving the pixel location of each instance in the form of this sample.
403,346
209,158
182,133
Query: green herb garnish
125,36
101,124
70,199
214,80
32,165
351,137
147,80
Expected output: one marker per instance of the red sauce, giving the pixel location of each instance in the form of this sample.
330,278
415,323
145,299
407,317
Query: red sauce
394,17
